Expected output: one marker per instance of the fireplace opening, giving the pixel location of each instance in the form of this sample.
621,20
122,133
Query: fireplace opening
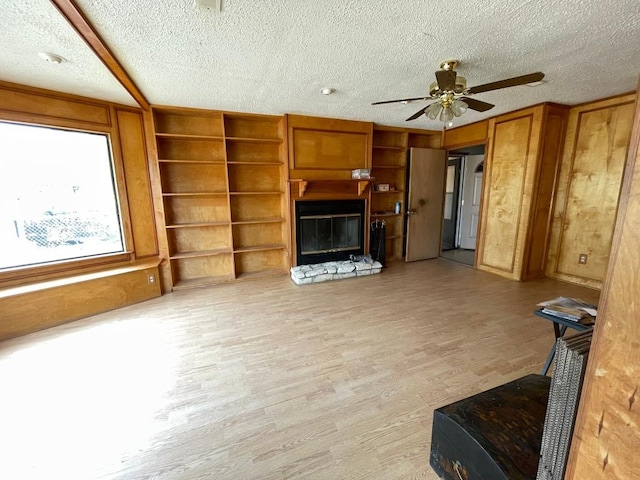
329,230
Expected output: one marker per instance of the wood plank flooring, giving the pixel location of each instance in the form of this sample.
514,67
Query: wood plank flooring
266,379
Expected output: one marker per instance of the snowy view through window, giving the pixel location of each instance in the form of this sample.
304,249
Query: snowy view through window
57,199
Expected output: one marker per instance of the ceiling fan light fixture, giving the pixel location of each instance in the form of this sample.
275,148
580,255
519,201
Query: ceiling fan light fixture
433,111
450,95
446,115
458,107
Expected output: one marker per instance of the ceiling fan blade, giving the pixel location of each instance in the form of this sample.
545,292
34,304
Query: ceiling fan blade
400,100
509,82
417,114
446,79
477,105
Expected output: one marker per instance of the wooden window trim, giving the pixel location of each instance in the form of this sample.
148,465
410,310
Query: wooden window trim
48,271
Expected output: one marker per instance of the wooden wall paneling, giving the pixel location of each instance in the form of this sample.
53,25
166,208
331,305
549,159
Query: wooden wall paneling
249,178
588,188
252,126
25,310
253,264
257,234
184,210
424,138
136,172
34,105
467,135
118,162
248,208
187,121
552,139
198,239
324,148
201,271
510,172
315,149
192,149
189,178
606,439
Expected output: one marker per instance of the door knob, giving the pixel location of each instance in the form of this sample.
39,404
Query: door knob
411,212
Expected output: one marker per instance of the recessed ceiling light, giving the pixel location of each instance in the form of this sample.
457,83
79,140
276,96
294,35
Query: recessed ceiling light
51,57
535,84
327,90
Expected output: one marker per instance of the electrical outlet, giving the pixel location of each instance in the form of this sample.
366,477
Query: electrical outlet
151,278
582,259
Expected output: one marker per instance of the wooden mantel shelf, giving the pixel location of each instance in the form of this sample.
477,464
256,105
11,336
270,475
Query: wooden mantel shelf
329,185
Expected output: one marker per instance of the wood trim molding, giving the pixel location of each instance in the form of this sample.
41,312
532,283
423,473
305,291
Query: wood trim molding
69,10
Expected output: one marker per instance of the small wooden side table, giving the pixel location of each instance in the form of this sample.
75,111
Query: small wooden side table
560,326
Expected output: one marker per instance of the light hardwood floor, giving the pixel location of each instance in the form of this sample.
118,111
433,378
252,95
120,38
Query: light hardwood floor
268,380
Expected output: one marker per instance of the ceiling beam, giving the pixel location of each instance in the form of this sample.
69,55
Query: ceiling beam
69,10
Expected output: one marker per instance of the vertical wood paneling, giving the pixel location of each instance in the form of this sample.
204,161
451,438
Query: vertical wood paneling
588,188
508,183
606,441
538,235
136,171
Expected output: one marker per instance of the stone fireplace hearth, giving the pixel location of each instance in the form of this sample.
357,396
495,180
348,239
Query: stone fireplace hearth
322,272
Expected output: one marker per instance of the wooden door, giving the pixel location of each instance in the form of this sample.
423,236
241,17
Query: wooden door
471,195
427,171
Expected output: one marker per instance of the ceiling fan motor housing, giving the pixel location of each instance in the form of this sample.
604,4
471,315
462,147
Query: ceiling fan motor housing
459,88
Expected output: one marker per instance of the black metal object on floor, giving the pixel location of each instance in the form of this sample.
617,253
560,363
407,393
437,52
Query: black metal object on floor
378,240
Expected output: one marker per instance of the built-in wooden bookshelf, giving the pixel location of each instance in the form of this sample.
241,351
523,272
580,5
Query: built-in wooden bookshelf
389,167
224,190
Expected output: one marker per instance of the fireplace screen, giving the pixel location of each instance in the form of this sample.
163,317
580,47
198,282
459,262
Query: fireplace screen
329,230
330,233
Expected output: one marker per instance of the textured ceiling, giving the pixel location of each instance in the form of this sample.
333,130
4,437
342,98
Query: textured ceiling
275,56
32,26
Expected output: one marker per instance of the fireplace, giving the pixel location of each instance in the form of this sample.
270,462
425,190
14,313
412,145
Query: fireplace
329,230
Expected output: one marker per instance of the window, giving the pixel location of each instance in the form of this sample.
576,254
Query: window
58,199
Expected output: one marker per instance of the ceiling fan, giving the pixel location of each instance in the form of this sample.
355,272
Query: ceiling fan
450,93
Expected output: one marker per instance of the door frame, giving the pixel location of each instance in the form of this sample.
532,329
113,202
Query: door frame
457,196
461,150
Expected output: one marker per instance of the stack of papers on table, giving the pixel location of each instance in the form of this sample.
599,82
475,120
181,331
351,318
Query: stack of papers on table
572,309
